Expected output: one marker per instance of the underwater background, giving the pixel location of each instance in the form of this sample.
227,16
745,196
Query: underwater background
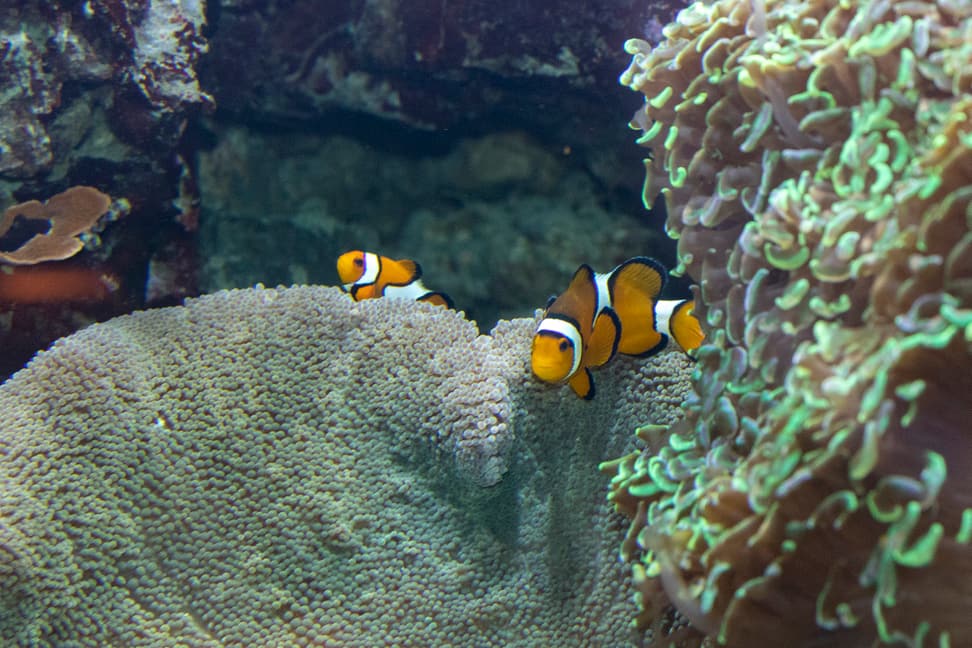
220,448
256,141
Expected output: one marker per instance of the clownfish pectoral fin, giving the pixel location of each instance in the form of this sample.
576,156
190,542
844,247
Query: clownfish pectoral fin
437,298
399,273
582,384
634,286
603,343
685,327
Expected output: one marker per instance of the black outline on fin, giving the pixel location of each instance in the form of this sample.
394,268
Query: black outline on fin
648,261
617,327
653,350
590,381
415,275
593,390
435,293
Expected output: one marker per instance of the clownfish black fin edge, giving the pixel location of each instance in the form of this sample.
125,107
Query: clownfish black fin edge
662,343
596,339
591,390
415,272
657,266
432,296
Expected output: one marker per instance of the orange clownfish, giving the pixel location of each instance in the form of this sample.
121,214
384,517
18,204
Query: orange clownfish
366,275
601,315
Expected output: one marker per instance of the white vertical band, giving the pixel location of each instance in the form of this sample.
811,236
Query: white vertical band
371,267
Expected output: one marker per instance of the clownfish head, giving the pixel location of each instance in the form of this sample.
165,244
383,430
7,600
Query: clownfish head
351,267
552,357
556,352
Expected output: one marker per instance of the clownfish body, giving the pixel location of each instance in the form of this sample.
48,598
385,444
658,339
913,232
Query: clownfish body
366,275
597,317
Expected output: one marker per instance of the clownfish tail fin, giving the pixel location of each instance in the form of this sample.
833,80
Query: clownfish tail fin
412,266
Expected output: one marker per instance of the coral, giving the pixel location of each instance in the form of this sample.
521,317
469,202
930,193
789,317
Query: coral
384,69
290,467
100,93
816,158
64,218
168,42
37,55
44,45
426,64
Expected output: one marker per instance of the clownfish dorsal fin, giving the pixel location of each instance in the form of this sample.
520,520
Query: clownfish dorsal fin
685,327
399,272
579,301
603,342
582,384
634,286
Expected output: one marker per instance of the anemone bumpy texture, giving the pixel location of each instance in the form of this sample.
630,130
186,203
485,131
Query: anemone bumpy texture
290,468
817,161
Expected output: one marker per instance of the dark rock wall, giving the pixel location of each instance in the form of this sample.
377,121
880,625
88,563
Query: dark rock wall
487,139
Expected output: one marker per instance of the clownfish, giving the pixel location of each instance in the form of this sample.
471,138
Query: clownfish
366,275
603,314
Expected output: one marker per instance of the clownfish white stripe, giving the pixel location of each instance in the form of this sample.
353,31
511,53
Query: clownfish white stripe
603,292
372,266
414,291
663,315
569,331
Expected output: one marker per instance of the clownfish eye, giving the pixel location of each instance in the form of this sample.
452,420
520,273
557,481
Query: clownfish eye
563,345
358,261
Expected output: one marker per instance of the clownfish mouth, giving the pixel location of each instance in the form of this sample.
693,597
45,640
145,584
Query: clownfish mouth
548,371
548,375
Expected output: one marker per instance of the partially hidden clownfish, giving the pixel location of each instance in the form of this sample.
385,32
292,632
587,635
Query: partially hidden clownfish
366,275
603,314
676,318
